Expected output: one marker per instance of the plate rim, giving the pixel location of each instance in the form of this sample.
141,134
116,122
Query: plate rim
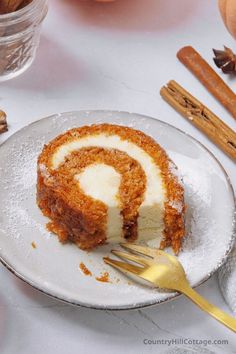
173,295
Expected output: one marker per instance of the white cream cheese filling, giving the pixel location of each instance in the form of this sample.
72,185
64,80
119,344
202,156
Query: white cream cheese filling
150,220
102,182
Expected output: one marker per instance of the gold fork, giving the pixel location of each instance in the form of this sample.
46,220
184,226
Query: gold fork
164,271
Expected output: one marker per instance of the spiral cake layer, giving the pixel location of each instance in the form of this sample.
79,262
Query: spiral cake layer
107,183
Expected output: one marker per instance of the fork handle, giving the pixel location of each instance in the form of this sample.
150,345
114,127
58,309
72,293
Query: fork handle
206,306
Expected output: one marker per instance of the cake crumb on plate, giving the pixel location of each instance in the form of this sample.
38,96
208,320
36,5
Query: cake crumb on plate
104,278
84,269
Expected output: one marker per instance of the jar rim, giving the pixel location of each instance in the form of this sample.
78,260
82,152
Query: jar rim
22,11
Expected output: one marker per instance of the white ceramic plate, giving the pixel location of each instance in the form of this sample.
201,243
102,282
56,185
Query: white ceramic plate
54,268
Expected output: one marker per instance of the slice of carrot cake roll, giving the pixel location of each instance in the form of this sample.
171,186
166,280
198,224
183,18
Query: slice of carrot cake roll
107,183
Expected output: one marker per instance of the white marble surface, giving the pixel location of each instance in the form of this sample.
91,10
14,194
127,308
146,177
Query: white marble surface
112,56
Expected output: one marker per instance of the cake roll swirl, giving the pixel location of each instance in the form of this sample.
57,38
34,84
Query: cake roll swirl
107,183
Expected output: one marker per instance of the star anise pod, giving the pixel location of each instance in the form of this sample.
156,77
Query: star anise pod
225,60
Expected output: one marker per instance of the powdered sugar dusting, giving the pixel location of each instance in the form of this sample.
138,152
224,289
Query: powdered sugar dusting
203,231
176,205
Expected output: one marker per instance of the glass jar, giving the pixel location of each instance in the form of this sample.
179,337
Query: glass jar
19,38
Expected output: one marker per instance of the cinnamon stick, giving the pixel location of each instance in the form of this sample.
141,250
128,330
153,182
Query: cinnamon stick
201,117
3,122
208,77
